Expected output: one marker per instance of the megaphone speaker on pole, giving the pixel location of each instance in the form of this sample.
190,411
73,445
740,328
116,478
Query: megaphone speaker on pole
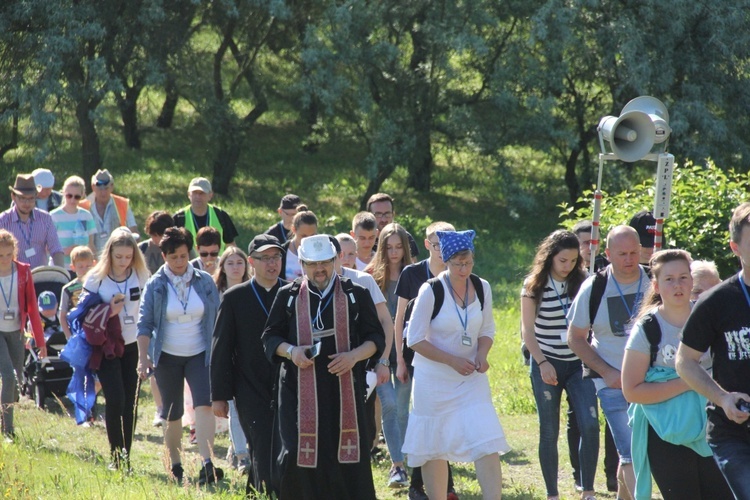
631,135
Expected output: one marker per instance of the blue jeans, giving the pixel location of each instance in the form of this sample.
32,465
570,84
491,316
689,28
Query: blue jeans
582,397
615,410
730,444
394,401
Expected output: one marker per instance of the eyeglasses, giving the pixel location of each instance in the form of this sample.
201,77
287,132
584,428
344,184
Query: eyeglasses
267,259
461,266
25,199
381,215
435,245
100,184
76,196
319,263
206,254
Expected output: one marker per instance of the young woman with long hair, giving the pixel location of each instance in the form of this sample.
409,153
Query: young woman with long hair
668,418
118,278
549,289
390,259
232,269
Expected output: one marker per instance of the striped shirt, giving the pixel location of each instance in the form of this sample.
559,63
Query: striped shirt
37,236
73,229
550,321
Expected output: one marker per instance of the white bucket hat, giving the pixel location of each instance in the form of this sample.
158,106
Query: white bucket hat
316,248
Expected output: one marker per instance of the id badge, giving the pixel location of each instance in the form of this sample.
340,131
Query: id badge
128,320
103,236
9,315
30,252
184,318
466,340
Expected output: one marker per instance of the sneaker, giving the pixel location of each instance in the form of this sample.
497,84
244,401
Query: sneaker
177,473
210,474
193,439
9,437
452,495
397,478
243,467
417,493
157,421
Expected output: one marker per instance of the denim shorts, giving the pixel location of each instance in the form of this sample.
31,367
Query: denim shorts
615,410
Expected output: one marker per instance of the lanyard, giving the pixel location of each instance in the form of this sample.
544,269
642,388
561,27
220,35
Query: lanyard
195,221
317,322
187,299
637,294
283,231
257,296
744,289
465,319
27,235
9,297
123,291
567,302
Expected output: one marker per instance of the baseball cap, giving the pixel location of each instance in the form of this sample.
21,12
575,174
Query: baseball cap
263,242
43,178
289,202
47,301
200,184
645,224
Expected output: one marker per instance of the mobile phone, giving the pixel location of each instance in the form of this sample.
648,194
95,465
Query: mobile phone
313,351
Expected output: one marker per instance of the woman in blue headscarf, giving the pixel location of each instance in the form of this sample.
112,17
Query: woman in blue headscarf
451,330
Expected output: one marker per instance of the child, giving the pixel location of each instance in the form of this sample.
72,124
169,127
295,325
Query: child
156,223
81,260
47,303
365,233
207,244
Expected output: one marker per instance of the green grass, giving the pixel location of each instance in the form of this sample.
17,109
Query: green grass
512,206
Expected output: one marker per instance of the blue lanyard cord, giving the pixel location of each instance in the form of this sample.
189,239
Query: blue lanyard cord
9,297
124,290
465,319
559,299
283,231
744,289
257,296
187,299
27,235
195,221
637,294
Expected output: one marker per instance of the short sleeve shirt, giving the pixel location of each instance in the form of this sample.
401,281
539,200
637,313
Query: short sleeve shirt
411,279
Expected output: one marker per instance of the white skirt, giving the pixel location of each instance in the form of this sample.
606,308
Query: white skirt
453,417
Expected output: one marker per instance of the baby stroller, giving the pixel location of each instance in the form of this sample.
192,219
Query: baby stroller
51,376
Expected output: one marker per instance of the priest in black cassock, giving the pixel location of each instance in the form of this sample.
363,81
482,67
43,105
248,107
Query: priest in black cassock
322,328
239,368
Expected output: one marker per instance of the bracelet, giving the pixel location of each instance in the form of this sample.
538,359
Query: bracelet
542,362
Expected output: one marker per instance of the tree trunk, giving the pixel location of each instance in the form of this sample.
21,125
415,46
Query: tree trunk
128,106
166,117
90,149
420,163
384,171
13,141
227,155
571,180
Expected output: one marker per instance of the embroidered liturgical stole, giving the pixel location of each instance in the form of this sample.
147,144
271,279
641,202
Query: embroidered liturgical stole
307,395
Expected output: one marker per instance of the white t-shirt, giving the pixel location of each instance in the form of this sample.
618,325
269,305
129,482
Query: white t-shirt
293,267
132,289
366,281
182,332
10,292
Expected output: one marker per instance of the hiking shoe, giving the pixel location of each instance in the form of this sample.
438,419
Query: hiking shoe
157,421
397,478
177,473
417,493
210,474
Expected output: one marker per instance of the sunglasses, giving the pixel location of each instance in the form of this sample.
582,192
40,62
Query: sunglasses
76,196
206,254
102,183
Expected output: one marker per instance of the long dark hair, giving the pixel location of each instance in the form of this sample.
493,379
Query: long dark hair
656,262
550,246
379,267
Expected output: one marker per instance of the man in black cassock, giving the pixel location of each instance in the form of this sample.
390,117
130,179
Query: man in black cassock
239,368
324,450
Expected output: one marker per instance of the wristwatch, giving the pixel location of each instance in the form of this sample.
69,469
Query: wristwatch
289,351
384,362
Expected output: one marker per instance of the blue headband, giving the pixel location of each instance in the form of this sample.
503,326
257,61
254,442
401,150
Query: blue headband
452,242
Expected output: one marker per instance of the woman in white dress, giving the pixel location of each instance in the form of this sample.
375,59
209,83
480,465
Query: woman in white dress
453,418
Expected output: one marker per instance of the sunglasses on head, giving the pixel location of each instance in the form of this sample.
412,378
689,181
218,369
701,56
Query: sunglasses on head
206,254
76,196
102,183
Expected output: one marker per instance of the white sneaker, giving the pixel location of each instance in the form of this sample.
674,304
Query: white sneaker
158,421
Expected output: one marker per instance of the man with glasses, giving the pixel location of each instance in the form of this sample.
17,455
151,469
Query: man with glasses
287,209
381,206
322,328
411,279
200,213
239,369
33,228
110,211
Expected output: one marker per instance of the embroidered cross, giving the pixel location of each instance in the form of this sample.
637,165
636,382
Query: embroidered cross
307,449
349,448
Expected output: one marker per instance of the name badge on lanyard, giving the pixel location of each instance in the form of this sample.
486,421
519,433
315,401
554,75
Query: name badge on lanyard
184,318
466,340
128,320
9,315
30,252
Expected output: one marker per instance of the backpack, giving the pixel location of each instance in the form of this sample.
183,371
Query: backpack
653,333
439,292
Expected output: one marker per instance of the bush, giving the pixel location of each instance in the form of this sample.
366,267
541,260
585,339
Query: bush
703,199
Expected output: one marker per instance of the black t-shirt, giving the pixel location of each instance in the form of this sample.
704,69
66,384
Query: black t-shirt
279,231
229,232
412,277
720,321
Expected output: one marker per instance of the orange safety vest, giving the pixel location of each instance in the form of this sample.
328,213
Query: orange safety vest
121,204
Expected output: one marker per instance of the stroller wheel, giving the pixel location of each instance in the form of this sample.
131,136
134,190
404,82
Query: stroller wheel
39,395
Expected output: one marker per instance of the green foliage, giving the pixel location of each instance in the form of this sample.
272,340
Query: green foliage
702,202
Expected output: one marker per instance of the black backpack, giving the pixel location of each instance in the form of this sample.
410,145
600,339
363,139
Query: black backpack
653,333
439,292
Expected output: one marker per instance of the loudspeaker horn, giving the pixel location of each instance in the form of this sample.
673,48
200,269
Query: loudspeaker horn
631,136
656,110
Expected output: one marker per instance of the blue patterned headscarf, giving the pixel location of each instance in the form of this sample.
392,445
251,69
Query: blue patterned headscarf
452,242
